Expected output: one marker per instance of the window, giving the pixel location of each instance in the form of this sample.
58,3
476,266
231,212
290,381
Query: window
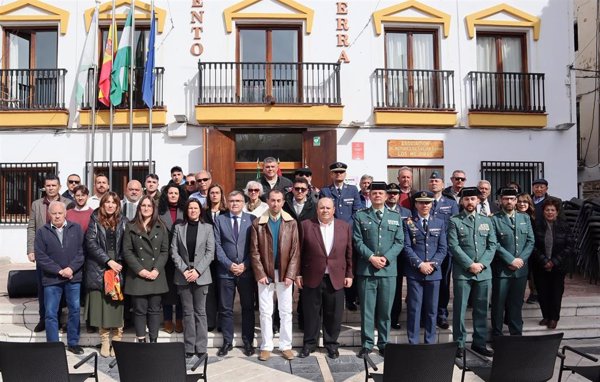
580,139
499,174
575,36
31,78
411,78
20,185
270,64
421,175
120,173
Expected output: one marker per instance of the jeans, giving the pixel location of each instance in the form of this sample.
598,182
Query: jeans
52,296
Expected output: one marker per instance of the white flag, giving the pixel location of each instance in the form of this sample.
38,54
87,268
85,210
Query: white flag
87,59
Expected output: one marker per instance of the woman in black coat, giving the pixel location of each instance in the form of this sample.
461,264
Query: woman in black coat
553,247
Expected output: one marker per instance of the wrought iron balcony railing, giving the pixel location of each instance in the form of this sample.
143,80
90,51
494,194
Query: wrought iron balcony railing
269,82
91,93
509,92
414,89
32,89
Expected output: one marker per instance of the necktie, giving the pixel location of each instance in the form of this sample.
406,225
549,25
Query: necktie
379,214
471,218
425,226
236,228
483,210
512,221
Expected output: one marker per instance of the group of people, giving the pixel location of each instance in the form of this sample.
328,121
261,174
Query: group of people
184,250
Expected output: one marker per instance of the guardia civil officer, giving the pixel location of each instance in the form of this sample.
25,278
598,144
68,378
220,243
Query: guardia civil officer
472,243
424,251
378,239
516,241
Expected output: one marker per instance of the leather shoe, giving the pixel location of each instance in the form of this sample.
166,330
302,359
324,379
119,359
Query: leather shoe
484,351
396,325
351,306
75,349
40,327
363,352
543,322
443,324
382,352
224,350
552,324
189,355
333,353
249,350
305,352
459,352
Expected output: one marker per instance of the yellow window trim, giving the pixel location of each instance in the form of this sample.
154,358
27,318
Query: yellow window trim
31,119
414,118
234,13
121,117
105,13
506,119
386,15
56,14
284,115
525,20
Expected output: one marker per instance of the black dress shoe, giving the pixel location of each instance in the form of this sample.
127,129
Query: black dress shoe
333,353
443,324
382,351
224,350
249,350
484,351
189,355
211,328
75,349
459,352
351,306
363,352
396,325
40,327
305,352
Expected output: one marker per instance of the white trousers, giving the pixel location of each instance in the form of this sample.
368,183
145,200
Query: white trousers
265,305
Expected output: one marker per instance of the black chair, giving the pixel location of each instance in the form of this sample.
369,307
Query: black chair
591,372
421,363
517,359
160,362
40,361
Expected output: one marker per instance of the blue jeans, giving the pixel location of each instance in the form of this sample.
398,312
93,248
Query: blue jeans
52,296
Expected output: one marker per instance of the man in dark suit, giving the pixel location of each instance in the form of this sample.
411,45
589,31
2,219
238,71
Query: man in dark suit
232,247
540,194
298,203
326,269
486,206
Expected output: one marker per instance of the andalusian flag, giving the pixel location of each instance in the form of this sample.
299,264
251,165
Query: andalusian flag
107,63
87,59
120,70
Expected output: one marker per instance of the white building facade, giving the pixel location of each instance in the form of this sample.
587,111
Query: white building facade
482,86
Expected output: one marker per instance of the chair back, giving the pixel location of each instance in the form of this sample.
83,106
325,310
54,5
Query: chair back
37,361
160,362
419,363
525,358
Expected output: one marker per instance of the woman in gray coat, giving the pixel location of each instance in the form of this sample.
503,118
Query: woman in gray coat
192,251
146,250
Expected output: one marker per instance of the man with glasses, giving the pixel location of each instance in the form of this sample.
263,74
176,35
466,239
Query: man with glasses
190,183
232,246
365,185
203,182
458,182
297,203
101,187
306,173
73,181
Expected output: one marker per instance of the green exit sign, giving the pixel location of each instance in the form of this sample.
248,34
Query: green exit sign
316,141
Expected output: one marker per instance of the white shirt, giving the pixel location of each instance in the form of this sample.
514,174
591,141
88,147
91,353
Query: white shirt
487,207
297,206
327,234
93,201
239,219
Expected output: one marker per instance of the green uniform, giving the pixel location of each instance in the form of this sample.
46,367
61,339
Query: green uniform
471,239
376,287
516,239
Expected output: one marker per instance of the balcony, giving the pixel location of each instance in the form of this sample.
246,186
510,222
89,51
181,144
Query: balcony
261,92
414,97
507,99
121,112
33,98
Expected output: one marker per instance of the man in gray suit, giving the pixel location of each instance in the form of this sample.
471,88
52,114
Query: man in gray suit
232,245
37,218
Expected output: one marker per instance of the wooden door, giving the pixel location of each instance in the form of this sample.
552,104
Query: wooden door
220,158
319,151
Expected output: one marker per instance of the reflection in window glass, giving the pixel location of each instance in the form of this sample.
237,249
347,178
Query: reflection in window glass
46,46
285,147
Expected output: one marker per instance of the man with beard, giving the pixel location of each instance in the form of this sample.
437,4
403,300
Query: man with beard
101,187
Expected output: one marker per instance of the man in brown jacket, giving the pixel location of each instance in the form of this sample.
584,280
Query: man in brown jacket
275,254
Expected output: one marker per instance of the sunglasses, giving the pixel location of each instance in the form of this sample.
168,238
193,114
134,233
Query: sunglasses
191,182
203,180
460,179
253,190
73,181
300,189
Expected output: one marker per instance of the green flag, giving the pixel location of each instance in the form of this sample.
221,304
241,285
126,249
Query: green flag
119,76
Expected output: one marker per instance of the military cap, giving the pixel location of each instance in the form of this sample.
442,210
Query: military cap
470,191
540,181
338,166
435,175
378,186
393,188
303,171
423,196
508,191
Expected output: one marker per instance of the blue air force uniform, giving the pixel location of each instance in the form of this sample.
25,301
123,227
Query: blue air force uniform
423,245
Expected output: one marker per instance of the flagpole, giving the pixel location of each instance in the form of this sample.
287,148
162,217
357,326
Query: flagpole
150,167
110,140
131,90
93,96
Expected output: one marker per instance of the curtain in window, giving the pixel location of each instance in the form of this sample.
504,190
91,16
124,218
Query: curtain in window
514,84
422,78
18,89
396,81
486,62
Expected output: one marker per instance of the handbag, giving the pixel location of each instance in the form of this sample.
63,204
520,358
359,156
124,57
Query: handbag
112,285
